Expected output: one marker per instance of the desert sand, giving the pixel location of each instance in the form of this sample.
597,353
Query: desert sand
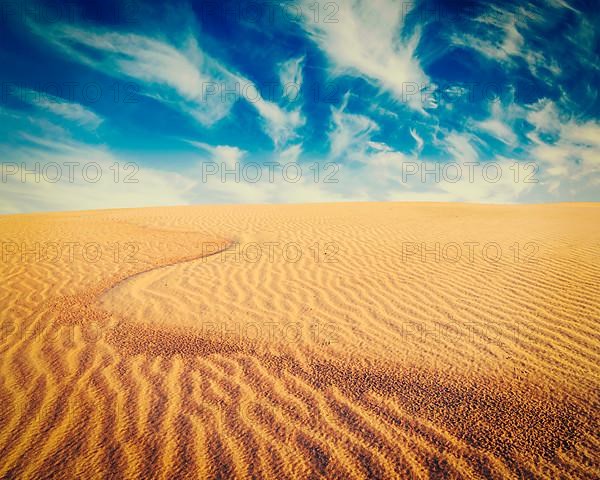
302,341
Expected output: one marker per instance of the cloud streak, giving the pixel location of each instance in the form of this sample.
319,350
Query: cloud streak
181,76
368,42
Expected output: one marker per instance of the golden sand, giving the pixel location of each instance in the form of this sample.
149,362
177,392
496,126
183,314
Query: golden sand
301,341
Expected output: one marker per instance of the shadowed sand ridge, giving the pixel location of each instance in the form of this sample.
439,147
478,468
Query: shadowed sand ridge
377,352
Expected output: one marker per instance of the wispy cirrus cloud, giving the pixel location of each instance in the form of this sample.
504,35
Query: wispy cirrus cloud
349,133
181,75
419,141
291,77
569,150
281,123
499,123
71,111
380,52
524,33
367,41
226,154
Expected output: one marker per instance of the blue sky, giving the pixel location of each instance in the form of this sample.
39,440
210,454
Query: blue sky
500,98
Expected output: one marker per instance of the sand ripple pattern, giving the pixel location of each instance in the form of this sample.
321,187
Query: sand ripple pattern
359,359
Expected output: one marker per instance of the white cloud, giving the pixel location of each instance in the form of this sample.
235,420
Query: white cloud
70,111
367,41
349,132
501,39
254,181
388,174
290,154
568,150
460,147
222,154
514,33
544,116
291,77
418,139
279,123
499,123
59,186
182,76
465,178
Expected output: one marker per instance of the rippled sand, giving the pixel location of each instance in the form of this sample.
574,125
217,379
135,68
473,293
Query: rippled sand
301,341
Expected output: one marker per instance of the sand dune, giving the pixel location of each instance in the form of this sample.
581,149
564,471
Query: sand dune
302,341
